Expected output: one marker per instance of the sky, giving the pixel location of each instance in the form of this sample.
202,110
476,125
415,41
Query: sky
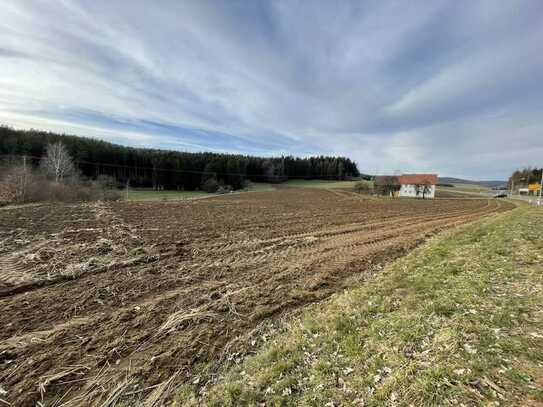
453,87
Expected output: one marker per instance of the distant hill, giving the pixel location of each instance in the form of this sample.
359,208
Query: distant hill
489,184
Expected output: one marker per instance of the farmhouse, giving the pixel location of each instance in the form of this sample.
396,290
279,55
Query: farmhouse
418,185
407,185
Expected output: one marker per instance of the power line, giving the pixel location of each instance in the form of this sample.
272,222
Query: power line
156,169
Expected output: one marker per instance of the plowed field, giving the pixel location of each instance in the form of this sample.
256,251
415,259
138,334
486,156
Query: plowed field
103,304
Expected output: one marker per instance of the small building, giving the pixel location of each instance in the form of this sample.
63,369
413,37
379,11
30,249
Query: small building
418,185
407,185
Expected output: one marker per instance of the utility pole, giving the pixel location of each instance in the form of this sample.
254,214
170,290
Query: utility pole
540,188
24,180
512,186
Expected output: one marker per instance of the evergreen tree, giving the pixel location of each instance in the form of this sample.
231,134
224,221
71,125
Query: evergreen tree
172,170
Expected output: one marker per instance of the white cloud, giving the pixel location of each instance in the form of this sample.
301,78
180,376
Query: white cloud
401,85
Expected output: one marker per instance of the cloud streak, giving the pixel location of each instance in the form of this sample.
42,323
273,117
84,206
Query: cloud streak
414,86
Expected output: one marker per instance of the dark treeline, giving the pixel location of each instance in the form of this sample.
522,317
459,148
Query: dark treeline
163,169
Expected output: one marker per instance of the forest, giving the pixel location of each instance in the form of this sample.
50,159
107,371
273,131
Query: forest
170,170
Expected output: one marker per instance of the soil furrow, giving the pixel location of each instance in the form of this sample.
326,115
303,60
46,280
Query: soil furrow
220,269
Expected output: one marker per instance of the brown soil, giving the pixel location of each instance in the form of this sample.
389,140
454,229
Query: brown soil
105,303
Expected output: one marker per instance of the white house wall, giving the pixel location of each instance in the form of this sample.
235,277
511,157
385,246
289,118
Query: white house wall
410,190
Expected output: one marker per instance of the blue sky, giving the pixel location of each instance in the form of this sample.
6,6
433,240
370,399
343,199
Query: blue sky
452,87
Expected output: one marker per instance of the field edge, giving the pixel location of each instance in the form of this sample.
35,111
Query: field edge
162,294
455,321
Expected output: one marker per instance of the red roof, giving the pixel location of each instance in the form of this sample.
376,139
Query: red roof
386,180
418,179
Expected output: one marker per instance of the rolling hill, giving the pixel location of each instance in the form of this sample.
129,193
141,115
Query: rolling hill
489,184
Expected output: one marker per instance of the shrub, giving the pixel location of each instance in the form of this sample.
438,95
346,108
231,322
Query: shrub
107,182
244,184
210,185
362,187
20,184
111,195
224,189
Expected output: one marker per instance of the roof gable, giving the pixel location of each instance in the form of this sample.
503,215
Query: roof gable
418,179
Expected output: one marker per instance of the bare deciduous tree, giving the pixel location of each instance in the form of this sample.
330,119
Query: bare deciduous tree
15,182
423,189
57,162
387,185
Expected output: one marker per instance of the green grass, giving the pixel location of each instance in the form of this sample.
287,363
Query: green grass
300,183
466,188
476,187
458,320
151,195
146,194
260,186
